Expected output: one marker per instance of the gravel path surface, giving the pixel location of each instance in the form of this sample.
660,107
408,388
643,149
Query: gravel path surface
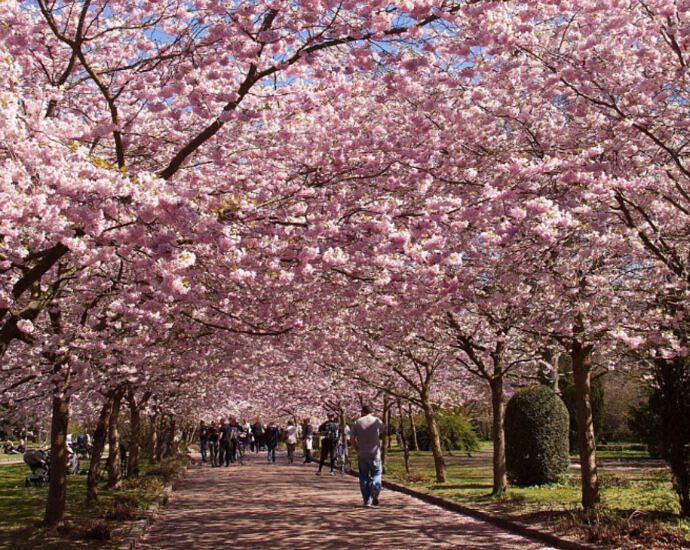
260,505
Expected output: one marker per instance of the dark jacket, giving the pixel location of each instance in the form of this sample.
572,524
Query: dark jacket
272,436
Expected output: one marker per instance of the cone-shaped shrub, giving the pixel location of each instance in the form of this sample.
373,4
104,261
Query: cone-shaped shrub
536,436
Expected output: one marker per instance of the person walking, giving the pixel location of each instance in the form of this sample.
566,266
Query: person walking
221,440
307,439
203,441
213,438
272,437
246,436
291,440
366,434
330,430
259,435
236,431
229,440
224,453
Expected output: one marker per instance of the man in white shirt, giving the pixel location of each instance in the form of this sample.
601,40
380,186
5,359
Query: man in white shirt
366,434
291,434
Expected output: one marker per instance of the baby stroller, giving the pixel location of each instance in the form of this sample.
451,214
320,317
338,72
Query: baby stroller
72,461
39,462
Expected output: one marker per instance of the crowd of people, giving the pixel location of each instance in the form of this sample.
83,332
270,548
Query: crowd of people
226,441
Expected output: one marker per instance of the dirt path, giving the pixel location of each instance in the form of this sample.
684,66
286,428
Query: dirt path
262,505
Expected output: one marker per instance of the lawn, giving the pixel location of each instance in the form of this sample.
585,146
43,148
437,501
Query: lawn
9,458
87,526
637,495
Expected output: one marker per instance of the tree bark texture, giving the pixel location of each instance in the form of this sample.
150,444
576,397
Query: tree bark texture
500,482
99,438
435,439
343,438
160,441
413,428
153,437
57,490
135,435
385,436
114,466
403,439
170,448
586,442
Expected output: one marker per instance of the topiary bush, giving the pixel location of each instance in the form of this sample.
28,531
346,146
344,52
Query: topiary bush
457,433
536,428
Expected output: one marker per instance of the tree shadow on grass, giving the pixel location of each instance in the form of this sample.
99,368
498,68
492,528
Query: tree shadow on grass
461,486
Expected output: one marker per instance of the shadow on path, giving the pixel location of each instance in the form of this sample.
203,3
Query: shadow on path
260,505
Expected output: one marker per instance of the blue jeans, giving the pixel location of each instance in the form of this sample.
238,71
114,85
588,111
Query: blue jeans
204,448
369,477
271,454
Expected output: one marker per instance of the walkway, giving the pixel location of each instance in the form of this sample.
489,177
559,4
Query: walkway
260,505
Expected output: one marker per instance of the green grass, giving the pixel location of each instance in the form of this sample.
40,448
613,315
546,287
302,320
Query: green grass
635,487
622,454
21,508
9,458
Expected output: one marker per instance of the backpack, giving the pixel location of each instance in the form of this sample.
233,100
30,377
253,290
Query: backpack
234,433
332,432
258,429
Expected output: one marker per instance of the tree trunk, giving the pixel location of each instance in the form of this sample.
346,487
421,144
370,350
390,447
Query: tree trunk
681,478
114,466
435,439
586,442
500,484
57,490
188,435
153,437
413,428
160,442
99,438
389,423
170,448
343,437
403,439
385,436
135,435
555,362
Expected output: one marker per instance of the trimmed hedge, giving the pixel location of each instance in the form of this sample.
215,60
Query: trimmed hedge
536,427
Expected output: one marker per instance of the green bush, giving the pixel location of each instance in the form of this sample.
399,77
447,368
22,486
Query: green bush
536,437
456,431
645,424
669,410
167,469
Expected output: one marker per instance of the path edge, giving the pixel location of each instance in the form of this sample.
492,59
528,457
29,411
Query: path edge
139,527
503,523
